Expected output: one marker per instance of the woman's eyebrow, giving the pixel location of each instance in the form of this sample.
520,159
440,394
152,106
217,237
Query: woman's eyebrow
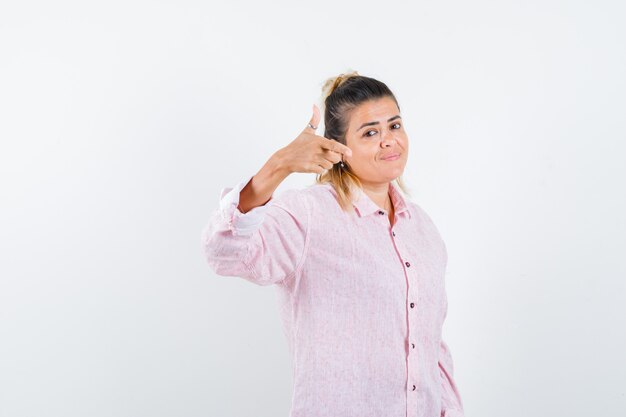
397,116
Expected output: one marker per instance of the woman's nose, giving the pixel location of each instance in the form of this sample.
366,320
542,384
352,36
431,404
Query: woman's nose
387,139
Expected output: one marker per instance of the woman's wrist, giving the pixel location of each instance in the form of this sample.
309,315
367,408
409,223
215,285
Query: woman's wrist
262,185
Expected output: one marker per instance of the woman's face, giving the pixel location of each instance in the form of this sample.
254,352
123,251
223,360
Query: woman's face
375,131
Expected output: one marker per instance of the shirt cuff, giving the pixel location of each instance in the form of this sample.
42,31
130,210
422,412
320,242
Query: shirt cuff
241,224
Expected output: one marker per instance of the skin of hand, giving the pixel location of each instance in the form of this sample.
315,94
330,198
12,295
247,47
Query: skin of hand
309,152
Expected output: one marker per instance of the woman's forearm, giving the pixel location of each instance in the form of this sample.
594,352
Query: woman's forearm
262,185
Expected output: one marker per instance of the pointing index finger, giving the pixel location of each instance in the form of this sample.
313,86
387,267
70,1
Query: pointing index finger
336,146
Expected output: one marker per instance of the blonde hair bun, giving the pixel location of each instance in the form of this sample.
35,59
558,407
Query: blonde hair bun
332,83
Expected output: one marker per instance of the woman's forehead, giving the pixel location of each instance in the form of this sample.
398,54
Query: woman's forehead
374,112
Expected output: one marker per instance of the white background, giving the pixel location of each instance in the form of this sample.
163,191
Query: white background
121,121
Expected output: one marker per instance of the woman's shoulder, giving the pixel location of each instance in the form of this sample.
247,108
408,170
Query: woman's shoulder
422,219
313,198
419,212
319,189
309,196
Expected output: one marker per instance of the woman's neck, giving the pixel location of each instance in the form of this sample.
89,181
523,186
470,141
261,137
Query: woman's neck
379,194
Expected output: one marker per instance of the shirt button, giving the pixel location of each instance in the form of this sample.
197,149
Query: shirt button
381,212
413,387
393,233
412,305
407,264
413,345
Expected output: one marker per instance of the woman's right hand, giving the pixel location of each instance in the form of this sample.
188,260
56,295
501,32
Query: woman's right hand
310,152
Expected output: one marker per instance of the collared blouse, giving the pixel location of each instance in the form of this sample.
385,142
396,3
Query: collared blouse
362,301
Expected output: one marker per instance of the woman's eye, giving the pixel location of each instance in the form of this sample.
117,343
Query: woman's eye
367,134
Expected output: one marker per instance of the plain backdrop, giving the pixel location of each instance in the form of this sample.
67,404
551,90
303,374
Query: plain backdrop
121,121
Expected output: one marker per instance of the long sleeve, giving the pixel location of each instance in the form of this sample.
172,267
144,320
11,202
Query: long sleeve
266,245
451,403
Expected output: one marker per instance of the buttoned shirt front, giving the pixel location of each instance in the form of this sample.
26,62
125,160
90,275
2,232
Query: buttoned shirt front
362,301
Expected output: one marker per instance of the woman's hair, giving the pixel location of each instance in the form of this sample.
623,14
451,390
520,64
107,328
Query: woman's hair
341,95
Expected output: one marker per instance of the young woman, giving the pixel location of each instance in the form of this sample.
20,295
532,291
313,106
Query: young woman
358,266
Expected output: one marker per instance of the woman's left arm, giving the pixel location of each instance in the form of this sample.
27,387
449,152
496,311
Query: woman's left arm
451,404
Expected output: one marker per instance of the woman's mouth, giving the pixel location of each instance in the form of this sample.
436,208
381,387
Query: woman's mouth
392,157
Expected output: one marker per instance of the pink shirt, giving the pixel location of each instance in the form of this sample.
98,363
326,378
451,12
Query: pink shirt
362,302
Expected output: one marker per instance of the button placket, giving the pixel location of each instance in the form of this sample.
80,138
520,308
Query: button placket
412,375
411,356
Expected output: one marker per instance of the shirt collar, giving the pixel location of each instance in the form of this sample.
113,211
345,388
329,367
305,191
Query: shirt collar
365,206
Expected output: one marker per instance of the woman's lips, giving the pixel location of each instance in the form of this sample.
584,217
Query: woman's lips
392,157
